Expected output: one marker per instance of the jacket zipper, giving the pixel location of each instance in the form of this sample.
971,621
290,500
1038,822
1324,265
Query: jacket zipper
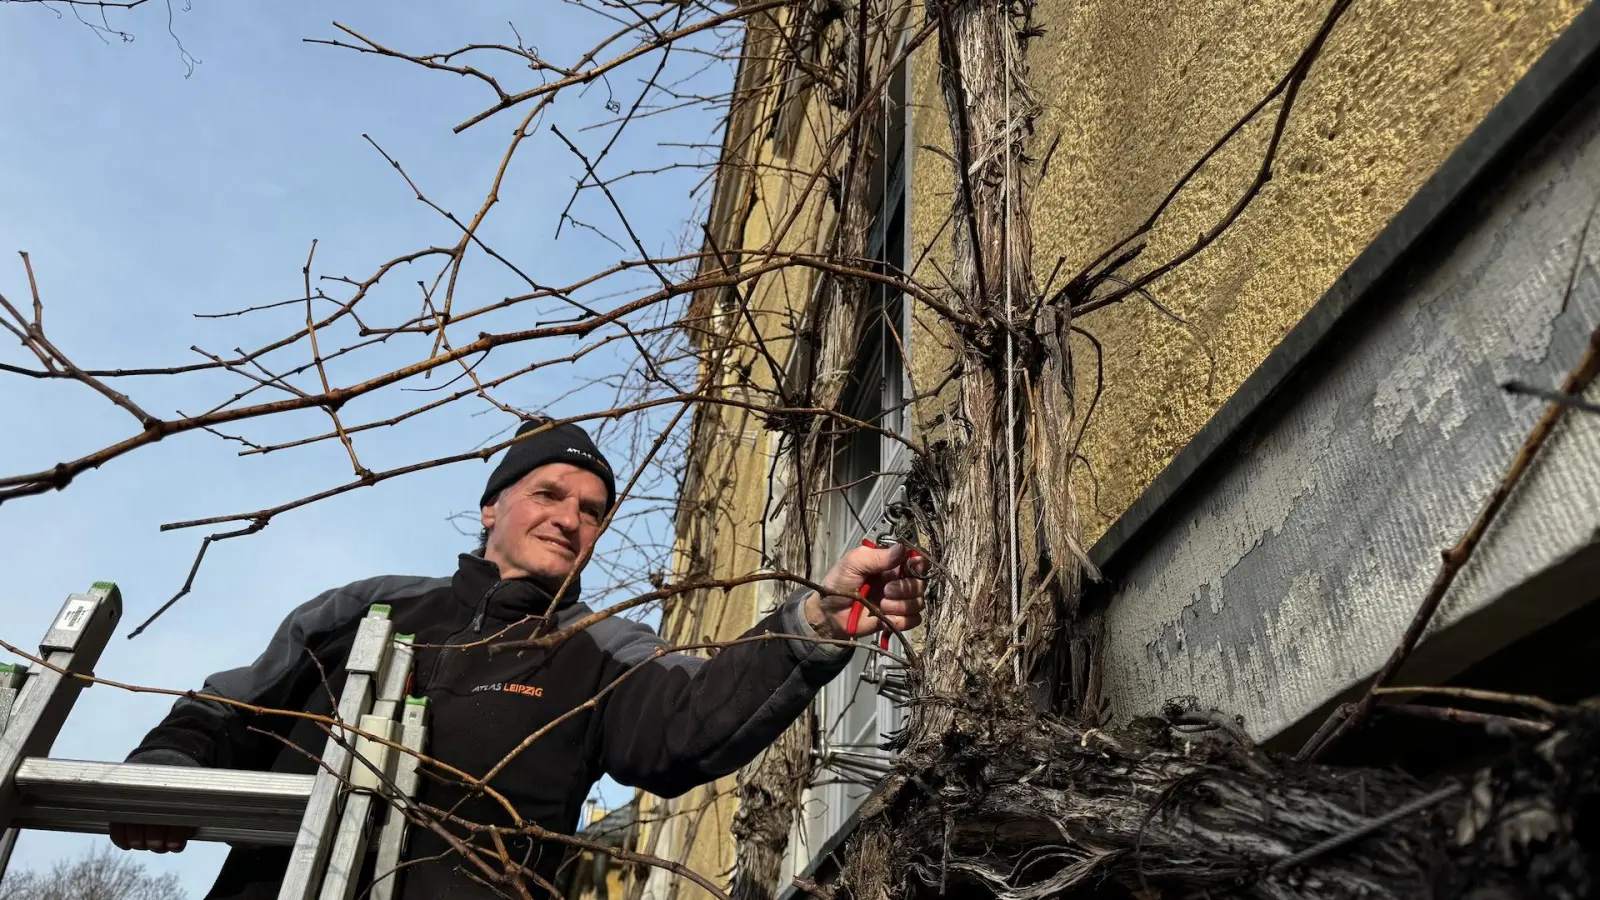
476,627
483,607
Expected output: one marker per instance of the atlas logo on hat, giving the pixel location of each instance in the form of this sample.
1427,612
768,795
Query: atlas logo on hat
587,455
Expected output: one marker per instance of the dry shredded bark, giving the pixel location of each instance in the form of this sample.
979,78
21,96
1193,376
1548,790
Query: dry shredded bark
769,794
1017,807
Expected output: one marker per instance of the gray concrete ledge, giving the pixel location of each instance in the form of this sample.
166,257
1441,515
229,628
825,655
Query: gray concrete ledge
1285,573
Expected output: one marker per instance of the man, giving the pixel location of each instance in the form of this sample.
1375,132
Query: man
674,722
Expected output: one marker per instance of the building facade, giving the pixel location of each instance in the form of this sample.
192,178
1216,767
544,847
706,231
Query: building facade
1281,435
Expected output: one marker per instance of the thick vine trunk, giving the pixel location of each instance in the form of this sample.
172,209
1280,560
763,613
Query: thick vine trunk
992,619
769,794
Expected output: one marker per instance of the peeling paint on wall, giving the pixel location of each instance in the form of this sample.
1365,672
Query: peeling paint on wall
1293,569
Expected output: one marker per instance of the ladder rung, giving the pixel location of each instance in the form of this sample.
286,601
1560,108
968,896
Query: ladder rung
260,808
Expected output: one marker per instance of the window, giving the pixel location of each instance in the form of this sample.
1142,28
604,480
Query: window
853,718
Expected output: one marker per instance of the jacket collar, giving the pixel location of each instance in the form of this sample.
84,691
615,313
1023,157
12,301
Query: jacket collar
477,583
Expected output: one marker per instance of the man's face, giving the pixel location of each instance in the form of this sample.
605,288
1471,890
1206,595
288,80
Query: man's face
543,523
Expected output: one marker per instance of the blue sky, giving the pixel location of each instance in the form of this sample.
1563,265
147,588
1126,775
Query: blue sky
144,196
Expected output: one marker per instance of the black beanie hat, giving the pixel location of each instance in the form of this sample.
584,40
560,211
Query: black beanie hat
564,443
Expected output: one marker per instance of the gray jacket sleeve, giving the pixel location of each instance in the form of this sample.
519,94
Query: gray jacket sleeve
676,721
203,732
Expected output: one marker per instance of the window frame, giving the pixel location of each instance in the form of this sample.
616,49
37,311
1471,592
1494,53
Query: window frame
844,732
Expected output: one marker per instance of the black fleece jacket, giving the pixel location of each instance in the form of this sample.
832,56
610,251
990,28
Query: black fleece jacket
677,722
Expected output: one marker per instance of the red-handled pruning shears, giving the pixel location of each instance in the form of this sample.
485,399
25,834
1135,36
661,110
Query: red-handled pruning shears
872,589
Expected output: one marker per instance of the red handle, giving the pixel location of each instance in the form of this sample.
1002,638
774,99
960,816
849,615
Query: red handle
858,606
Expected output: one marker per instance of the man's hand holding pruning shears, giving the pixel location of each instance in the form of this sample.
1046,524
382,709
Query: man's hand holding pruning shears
888,572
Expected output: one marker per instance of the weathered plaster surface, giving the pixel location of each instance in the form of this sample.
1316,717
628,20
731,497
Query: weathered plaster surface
1294,567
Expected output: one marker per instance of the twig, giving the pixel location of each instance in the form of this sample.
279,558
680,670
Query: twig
1567,400
1467,717
188,583
1361,831
586,76
49,354
1538,703
428,62
322,370
573,357
1454,559
1078,289
633,110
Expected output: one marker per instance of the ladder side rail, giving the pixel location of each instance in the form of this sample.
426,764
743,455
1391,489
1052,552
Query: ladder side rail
355,824
370,770
77,636
8,842
302,878
392,839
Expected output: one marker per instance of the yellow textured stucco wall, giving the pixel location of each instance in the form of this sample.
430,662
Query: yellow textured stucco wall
1137,94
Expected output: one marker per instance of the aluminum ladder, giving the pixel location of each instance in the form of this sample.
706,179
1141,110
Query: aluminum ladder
327,818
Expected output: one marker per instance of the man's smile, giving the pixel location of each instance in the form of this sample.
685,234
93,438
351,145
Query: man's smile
561,544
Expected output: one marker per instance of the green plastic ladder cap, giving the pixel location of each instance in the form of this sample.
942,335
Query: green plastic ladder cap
408,638
378,609
104,586
416,701
8,668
